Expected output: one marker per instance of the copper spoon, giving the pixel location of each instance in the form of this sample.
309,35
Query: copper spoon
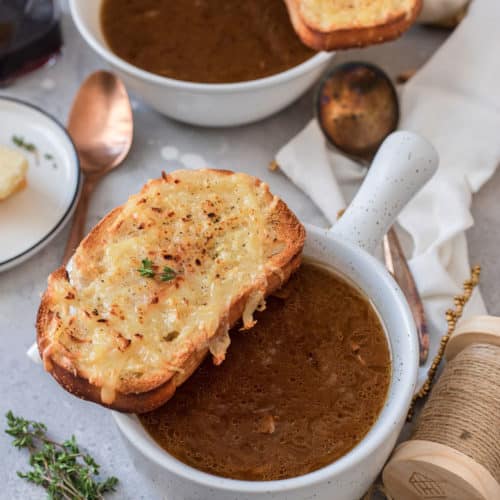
101,126
357,108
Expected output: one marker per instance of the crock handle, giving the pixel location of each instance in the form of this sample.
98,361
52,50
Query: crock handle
402,165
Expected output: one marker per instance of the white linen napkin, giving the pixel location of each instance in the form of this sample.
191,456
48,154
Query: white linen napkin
454,101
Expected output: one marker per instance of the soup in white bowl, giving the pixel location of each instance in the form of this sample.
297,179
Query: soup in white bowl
296,392
406,161
207,104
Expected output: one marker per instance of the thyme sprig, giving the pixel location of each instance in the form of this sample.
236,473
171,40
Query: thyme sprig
61,468
167,274
146,268
22,143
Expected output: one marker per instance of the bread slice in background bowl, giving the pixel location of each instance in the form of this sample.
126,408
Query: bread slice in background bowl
217,243
342,24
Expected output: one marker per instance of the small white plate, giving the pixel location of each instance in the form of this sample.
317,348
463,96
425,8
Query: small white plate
30,218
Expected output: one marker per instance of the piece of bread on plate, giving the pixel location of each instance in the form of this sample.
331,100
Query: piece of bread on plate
159,281
13,168
343,24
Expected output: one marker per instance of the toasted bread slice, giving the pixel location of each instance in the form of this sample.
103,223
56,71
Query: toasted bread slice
124,331
343,24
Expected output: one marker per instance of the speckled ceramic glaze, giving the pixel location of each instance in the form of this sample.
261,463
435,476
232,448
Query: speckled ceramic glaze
404,163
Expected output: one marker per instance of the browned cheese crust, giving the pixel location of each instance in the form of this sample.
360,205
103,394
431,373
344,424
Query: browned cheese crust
358,36
63,359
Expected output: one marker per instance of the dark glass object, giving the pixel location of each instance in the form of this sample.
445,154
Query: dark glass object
30,35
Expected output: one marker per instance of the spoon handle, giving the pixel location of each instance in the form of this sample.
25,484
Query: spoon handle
398,266
78,224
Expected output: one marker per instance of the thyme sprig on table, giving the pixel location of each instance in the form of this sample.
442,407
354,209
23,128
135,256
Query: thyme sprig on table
61,468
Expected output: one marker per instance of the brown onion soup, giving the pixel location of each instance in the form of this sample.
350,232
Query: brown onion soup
295,393
205,41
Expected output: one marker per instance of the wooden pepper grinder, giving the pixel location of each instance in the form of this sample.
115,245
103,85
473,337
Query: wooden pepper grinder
454,452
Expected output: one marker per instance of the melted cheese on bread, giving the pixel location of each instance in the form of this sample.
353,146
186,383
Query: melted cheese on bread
113,326
328,15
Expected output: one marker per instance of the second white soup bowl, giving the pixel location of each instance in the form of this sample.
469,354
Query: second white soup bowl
207,104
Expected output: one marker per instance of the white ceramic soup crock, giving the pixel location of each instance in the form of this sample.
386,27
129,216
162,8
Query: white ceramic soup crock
403,164
212,105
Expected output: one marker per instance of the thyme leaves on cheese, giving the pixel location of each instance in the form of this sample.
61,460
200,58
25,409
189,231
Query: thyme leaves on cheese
146,268
62,469
167,274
